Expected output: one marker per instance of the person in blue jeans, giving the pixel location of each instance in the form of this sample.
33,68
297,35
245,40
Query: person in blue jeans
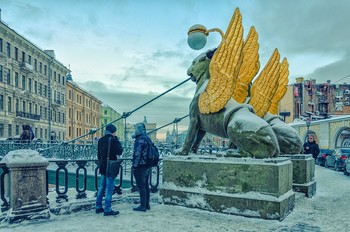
140,170
107,183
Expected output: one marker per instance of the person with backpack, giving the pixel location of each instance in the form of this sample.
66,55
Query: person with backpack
140,168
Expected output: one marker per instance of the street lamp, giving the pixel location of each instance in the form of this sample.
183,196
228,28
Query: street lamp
308,123
197,36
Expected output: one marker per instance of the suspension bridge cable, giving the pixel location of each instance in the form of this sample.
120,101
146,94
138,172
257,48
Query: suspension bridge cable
176,120
125,115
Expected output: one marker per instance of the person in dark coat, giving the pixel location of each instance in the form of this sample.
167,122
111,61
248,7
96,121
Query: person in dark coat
106,182
25,136
311,147
140,170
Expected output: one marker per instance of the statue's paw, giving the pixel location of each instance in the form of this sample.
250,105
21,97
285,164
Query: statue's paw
288,139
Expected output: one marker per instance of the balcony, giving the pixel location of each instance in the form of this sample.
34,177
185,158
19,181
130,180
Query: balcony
26,67
57,102
22,114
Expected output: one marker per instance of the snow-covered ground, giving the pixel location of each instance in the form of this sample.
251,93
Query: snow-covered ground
327,211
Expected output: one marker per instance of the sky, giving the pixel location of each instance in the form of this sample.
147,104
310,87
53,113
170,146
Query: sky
128,52
325,211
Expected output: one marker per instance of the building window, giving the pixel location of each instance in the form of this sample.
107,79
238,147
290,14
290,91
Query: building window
59,78
41,110
41,133
35,87
105,112
8,76
30,108
54,75
23,56
9,130
17,105
40,89
17,129
16,79
1,130
45,91
30,85
16,53
63,80
45,133
1,44
45,70
0,73
40,67
9,104
36,109
23,82
29,59
1,102
35,65
24,106
8,49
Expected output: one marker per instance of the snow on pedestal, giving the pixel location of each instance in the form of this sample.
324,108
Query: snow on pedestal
303,173
27,170
242,186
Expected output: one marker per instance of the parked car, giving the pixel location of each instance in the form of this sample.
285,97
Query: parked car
347,167
321,158
336,158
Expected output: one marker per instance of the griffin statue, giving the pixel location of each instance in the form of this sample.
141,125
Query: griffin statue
227,103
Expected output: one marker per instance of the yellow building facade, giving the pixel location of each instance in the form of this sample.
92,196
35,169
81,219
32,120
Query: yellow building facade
83,113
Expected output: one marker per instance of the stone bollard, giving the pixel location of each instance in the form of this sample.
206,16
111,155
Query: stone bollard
27,171
303,173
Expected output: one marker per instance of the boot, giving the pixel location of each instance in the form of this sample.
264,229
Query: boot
140,208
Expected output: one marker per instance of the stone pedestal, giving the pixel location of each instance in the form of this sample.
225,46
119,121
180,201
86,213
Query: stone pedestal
242,186
303,173
27,170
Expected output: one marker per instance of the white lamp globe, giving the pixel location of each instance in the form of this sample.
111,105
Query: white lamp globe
197,38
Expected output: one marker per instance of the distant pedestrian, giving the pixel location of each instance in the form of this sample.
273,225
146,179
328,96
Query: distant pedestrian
26,135
107,182
140,170
311,147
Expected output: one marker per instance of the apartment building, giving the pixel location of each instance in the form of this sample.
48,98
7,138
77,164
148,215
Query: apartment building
32,88
83,112
308,99
110,115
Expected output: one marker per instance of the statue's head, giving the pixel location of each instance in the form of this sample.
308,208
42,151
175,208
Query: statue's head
199,70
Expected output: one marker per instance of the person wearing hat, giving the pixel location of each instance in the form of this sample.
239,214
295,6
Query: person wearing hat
106,182
140,170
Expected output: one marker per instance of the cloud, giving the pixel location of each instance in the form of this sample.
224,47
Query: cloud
338,72
162,110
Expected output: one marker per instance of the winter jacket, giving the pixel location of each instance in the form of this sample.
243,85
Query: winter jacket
102,148
140,146
311,148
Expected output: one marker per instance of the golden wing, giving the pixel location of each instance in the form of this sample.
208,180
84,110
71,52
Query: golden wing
250,66
265,86
224,68
282,87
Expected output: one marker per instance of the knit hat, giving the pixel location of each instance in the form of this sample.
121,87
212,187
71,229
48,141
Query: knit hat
140,129
111,128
